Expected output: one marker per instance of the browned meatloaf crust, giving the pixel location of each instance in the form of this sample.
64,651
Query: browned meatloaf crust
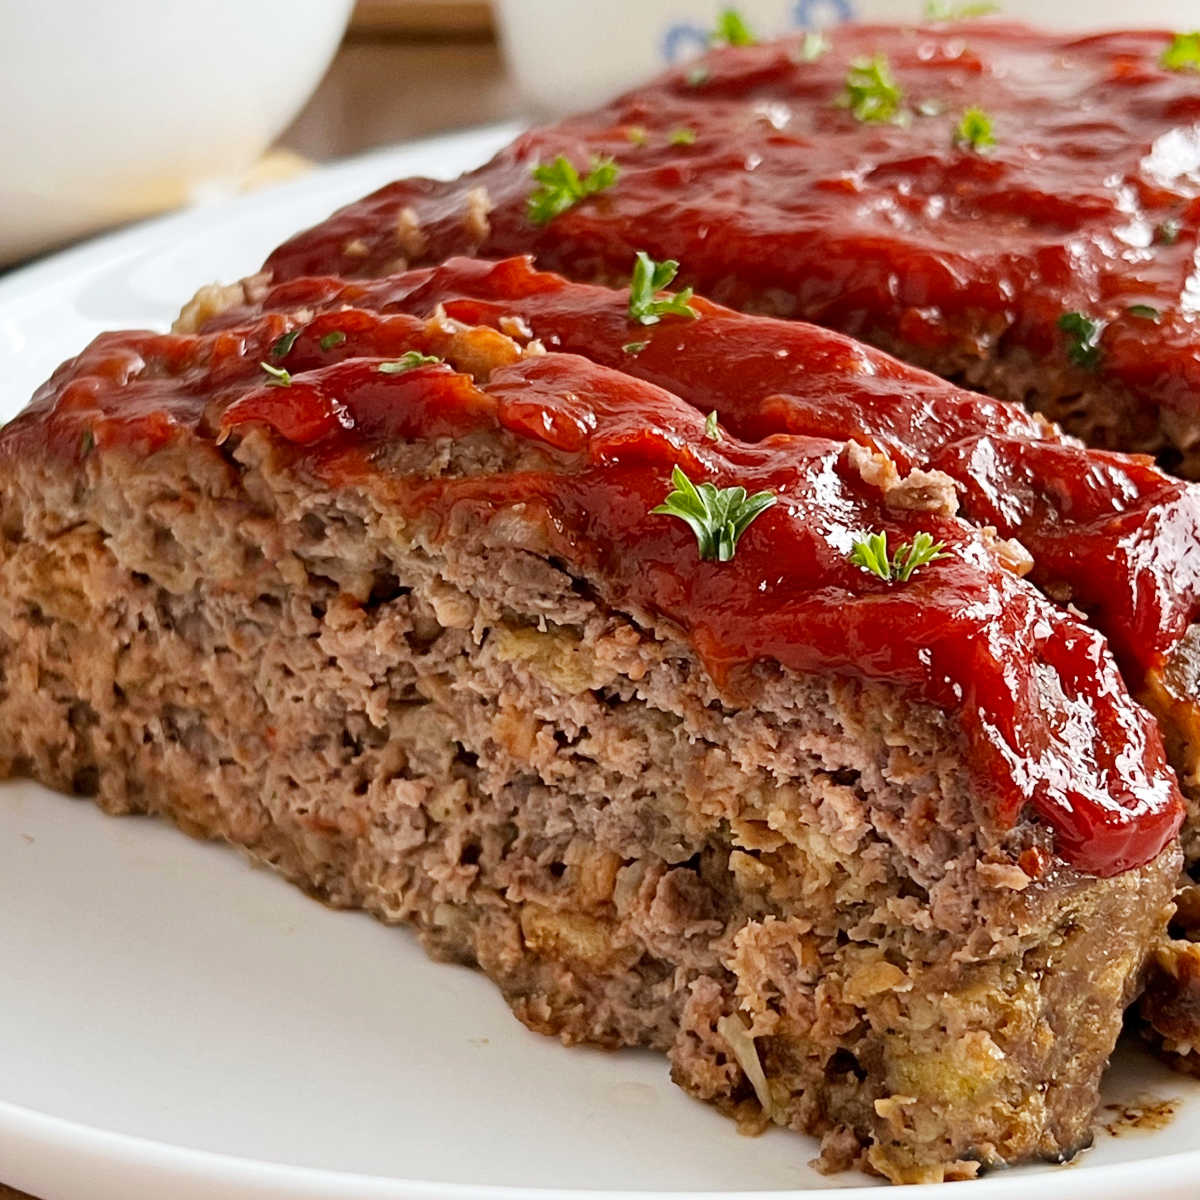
354,622
780,192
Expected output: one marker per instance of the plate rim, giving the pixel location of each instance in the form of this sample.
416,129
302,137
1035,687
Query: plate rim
47,1133
147,234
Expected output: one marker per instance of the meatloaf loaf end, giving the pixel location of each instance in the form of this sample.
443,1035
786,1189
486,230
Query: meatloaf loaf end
1014,209
878,861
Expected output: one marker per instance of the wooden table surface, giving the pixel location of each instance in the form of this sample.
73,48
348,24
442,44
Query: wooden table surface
387,89
382,90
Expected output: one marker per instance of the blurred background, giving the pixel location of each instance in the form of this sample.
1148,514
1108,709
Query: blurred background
407,68
189,105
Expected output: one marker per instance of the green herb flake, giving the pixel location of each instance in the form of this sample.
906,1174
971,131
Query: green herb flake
409,360
871,553
1083,339
682,137
649,278
872,93
732,30
712,431
285,343
1144,312
1183,54
335,337
87,443
974,131
698,75
717,516
942,10
636,135
814,46
562,187
1167,232
278,376
634,347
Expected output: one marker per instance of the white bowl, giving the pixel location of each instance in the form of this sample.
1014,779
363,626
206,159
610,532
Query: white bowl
567,56
114,109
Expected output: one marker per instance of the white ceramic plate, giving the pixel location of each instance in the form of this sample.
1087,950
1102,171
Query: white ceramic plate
176,1024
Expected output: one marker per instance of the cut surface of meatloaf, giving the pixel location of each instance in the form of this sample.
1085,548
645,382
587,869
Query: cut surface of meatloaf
758,171
1112,535
879,861
1109,534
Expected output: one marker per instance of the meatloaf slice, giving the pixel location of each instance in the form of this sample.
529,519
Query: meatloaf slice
875,859
1015,209
1110,534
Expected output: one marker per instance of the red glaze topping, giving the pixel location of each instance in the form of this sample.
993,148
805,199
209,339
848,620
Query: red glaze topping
138,389
785,202
1118,536
1050,727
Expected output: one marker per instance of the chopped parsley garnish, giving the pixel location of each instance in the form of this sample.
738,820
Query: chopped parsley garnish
649,278
871,553
975,131
1183,54
279,377
717,516
942,10
872,94
712,430
1083,339
408,361
562,187
335,337
634,347
732,30
87,443
1145,312
636,134
1167,232
682,136
813,46
285,343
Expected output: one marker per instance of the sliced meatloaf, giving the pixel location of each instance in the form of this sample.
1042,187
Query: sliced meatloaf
1109,534
874,855
1013,209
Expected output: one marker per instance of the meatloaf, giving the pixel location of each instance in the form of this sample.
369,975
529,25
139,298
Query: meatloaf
1112,536
1012,209
1109,534
682,733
